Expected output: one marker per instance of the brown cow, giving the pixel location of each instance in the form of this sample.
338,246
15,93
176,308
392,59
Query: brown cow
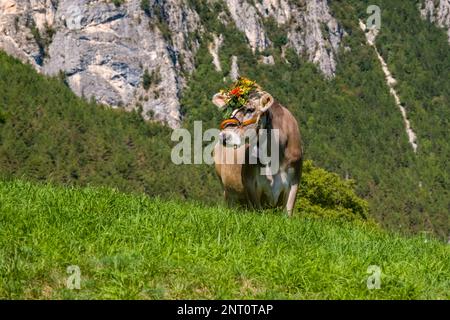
243,181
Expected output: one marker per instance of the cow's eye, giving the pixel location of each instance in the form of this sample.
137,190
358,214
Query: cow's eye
249,110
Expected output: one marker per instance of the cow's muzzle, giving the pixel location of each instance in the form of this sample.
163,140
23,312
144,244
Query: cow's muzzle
229,139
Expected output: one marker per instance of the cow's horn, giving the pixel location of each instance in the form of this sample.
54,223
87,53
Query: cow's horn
266,102
219,100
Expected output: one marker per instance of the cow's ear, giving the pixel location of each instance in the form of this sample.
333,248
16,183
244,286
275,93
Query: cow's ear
265,102
220,100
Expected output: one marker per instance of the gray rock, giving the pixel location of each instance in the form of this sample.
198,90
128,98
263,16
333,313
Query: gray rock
18,20
267,60
246,18
315,32
214,48
234,72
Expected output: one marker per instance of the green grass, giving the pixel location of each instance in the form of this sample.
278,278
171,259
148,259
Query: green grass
133,247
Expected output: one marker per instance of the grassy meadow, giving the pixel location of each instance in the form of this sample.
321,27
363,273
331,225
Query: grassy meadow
130,246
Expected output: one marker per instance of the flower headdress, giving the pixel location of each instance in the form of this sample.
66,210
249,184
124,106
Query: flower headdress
238,95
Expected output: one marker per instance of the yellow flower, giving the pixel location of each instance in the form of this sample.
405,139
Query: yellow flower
238,93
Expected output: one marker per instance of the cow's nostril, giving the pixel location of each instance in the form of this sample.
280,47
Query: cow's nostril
223,138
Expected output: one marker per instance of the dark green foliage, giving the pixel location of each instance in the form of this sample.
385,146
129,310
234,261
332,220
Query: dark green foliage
161,20
208,12
49,33
42,40
2,116
118,3
418,55
146,80
277,34
325,194
145,6
153,78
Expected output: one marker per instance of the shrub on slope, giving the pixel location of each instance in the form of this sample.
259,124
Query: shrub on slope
323,193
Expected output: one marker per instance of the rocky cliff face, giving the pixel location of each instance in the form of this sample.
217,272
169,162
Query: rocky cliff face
437,12
311,29
135,53
105,50
19,25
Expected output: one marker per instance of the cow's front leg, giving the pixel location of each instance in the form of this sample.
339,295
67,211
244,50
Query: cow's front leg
228,201
291,199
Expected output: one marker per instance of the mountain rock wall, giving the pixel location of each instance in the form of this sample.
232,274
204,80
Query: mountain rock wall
136,54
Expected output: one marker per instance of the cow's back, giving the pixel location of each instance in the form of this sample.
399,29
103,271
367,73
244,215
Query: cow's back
290,139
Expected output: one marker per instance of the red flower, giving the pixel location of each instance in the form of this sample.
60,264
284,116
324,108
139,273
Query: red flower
236,92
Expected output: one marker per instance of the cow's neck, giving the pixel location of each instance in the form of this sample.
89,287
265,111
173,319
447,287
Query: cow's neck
275,112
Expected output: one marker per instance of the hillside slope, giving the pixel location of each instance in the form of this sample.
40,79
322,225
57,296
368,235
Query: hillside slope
129,246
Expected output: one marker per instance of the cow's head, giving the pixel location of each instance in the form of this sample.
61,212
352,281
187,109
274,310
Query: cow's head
245,121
